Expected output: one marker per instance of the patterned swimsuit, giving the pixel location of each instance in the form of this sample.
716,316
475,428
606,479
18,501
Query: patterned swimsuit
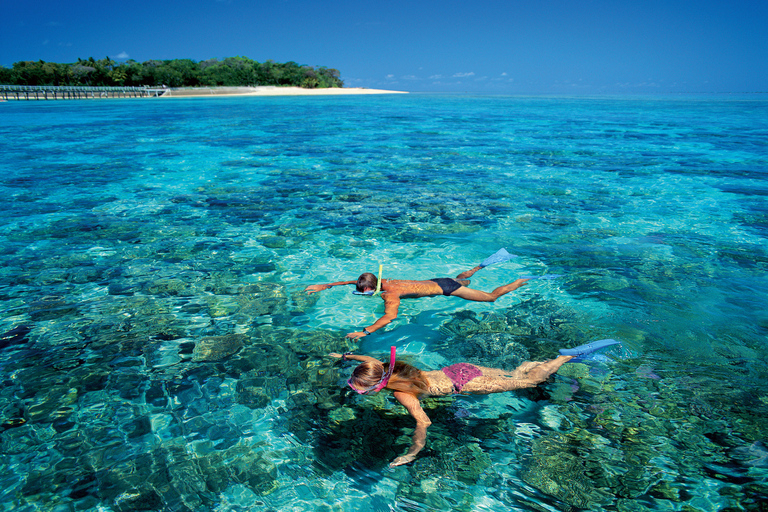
460,374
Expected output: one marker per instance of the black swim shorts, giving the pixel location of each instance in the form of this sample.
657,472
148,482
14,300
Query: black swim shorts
447,284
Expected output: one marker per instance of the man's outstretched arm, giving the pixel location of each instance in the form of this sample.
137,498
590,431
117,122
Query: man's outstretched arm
314,288
391,305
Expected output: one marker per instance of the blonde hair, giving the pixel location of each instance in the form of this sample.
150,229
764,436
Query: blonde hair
405,377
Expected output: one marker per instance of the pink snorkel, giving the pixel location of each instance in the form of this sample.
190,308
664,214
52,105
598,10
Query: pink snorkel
384,379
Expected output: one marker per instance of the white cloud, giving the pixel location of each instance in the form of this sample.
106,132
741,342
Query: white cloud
503,74
122,55
464,75
436,77
390,77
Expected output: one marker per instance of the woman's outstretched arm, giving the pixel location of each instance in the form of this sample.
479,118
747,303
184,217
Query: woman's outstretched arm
411,403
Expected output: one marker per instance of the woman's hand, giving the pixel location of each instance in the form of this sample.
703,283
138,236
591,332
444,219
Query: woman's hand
337,356
314,288
405,459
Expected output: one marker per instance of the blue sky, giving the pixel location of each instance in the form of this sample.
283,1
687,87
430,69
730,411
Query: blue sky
505,46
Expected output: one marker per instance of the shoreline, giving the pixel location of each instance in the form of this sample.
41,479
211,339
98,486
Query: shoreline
207,92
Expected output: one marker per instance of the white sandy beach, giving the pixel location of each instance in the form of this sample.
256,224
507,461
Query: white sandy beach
269,91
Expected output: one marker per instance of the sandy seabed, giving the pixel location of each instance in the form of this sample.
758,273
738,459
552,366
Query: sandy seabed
269,91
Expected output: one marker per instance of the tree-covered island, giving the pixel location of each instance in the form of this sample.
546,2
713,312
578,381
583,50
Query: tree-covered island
229,72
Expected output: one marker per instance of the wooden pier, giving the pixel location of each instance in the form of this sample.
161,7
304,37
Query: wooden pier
50,92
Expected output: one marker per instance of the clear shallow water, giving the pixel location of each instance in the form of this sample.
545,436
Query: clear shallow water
156,252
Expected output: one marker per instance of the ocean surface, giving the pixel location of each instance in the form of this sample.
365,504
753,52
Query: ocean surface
160,353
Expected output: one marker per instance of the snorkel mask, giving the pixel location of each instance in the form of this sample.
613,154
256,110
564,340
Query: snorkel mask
378,286
384,378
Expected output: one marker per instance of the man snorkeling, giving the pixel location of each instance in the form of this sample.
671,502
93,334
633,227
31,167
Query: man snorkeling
392,290
409,384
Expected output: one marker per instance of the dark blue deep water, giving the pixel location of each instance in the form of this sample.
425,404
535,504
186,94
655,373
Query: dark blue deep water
160,353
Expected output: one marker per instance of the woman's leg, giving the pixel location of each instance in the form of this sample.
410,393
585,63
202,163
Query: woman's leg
527,375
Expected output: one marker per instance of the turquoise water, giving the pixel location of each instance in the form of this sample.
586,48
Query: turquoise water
164,356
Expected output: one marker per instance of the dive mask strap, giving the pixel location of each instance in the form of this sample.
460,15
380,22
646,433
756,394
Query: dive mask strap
385,379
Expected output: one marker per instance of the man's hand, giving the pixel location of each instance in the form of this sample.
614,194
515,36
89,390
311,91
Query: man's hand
356,335
334,354
405,459
314,288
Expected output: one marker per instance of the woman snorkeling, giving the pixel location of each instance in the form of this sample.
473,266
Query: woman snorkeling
409,384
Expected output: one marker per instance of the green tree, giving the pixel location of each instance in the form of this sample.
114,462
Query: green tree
186,71
82,72
7,76
232,71
134,73
118,75
329,77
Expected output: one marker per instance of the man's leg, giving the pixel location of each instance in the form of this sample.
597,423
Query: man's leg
468,273
481,296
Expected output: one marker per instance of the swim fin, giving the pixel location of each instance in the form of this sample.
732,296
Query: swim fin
583,350
500,256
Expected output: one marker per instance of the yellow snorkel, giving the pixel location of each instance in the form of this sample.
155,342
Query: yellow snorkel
378,286
378,282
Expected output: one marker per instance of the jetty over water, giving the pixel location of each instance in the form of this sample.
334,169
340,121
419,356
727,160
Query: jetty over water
51,92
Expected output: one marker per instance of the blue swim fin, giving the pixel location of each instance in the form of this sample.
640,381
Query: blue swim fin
583,350
500,256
